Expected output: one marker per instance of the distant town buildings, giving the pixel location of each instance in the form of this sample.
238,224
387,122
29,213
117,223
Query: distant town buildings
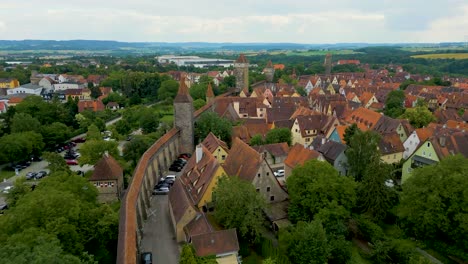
195,61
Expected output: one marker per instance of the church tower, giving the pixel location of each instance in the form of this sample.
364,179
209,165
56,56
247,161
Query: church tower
241,71
183,117
269,72
328,63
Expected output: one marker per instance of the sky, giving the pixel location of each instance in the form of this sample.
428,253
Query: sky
293,21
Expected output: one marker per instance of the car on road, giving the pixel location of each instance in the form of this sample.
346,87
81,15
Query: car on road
79,140
7,189
147,258
162,190
72,162
279,173
170,177
41,175
175,168
162,184
31,175
3,207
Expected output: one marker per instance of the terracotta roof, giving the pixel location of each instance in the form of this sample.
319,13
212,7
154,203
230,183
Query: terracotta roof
198,175
386,125
276,150
212,142
15,100
284,123
209,91
298,155
274,114
216,243
2,106
391,143
73,91
365,97
303,111
199,225
179,200
242,59
93,105
183,95
424,133
320,122
278,66
341,131
242,161
364,118
107,168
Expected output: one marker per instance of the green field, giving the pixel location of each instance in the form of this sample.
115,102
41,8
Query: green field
457,56
304,52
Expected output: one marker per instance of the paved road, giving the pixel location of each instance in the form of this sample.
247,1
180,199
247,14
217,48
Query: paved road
159,237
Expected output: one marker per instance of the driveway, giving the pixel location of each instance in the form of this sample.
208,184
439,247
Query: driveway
158,233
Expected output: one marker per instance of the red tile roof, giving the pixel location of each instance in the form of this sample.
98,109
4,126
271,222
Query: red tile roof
107,168
241,59
364,118
216,243
242,161
93,105
183,94
298,155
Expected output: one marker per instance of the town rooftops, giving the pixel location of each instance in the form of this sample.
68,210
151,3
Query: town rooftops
183,95
179,200
242,161
216,243
30,86
276,150
329,148
211,142
298,155
107,168
364,118
390,144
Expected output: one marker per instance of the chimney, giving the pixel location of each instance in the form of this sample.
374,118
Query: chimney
324,140
198,152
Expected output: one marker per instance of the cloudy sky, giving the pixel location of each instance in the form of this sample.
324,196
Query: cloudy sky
299,21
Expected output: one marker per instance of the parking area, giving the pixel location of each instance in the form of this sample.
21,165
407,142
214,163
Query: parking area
158,233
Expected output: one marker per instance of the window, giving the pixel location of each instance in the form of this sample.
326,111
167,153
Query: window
268,173
258,175
272,198
394,156
258,190
430,154
428,144
424,153
296,129
268,189
216,157
223,157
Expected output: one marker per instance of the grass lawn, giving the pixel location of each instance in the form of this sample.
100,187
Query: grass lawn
457,56
4,174
253,258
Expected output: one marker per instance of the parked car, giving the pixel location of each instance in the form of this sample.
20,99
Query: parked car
79,140
72,162
7,189
161,185
41,174
175,168
162,190
170,177
31,175
279,173
180,161
146,258
3,207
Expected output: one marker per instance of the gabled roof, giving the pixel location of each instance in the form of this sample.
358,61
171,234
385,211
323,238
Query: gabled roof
329,148
197,176
199,225
211,142
209,91
386,125
274,114
107,168
179,200
216,243
320,122
284,124
390,144
276,150
364,118
183,95
298,155
424,133
242,161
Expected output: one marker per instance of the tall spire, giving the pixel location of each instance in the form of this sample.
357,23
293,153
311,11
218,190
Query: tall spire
183,95
242,59
269,64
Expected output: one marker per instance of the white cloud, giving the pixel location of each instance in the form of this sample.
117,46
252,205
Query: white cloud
236,21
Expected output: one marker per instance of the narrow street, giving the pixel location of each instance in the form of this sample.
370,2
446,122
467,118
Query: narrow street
158,233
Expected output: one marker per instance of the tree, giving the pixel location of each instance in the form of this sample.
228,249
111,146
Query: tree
434,205
198,91
375,197
93,133
278,135
135,148
123,127
316,185
168,90
19,189
92,150
306,243
22,122
257,140
199,103
187,256
419,116
56,162
394,105
149,123
20,146
55,133
211,122
95,92
361,151
349,133
239,205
